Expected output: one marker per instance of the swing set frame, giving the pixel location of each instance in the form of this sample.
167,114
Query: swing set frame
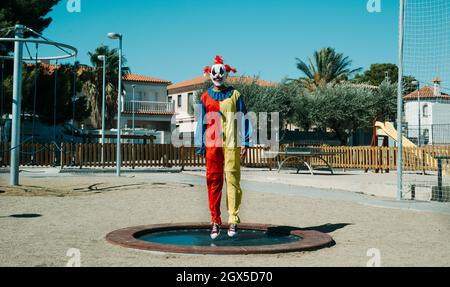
19,41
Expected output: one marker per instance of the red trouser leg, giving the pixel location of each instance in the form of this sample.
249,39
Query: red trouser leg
214,181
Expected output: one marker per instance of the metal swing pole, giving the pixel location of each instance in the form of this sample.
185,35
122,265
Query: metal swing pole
119,110
16,106
36,71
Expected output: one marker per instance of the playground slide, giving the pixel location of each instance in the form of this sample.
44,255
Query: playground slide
387,129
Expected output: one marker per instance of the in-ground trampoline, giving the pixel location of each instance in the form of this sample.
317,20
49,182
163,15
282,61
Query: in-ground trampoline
194,238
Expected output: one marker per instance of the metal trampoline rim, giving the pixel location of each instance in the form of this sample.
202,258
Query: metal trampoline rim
50,43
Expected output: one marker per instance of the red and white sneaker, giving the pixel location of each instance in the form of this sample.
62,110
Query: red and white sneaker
215,231
232,230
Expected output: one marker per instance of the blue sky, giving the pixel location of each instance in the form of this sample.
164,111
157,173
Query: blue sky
175,39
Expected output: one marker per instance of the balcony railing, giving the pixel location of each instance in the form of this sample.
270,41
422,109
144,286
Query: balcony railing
148,107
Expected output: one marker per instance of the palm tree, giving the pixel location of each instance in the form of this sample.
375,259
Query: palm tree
92,87
326,67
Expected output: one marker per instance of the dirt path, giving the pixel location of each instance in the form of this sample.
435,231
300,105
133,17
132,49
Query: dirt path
38,230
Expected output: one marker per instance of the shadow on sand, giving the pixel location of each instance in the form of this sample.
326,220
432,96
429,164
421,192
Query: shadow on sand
325,228
23,215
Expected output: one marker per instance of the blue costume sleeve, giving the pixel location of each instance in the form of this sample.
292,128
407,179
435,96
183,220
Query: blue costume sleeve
200,129
246,125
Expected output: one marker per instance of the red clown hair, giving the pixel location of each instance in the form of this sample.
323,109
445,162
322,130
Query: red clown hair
219,60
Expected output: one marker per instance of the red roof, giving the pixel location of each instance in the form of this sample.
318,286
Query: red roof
195,82
426,92
50,68
144,79
198,82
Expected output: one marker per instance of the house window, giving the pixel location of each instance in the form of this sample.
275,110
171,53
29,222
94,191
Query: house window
190,108
179,101
425,111
170,99
140,96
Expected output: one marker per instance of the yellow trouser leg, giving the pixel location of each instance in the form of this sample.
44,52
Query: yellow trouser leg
233,178
234,196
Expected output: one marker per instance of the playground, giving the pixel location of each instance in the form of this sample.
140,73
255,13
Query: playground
52,212
340,159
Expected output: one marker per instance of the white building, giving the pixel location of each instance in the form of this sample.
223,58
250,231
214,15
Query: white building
182,95
145,100
434,108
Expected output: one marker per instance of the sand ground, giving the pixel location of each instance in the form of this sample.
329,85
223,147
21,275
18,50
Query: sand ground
77,211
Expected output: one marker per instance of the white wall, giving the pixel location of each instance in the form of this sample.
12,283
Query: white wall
438,114
145,92
441,116
183,118
441,113
183,109
152,93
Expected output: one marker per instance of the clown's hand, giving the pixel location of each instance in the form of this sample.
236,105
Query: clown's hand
200,151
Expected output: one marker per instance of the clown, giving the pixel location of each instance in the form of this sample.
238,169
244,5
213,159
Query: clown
217,137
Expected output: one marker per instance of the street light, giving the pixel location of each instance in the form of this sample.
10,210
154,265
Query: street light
2,124
1,108
103,59
133,86
417,83
116,36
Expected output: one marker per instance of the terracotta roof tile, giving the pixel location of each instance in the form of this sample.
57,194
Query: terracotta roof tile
426,92
50,68
144,79
196,83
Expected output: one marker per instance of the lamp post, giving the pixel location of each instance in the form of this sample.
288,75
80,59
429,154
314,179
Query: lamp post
103,59
1,109
133,86
119,100
2,67
419,139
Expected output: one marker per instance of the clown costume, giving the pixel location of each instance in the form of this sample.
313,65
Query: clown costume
223,143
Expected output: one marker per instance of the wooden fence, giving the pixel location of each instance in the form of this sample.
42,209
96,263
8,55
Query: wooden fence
144,155
31,154
166,155
366,157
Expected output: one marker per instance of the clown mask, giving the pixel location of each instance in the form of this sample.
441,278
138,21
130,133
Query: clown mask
218,75
218,72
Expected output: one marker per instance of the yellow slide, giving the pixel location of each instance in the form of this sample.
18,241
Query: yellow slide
387,129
